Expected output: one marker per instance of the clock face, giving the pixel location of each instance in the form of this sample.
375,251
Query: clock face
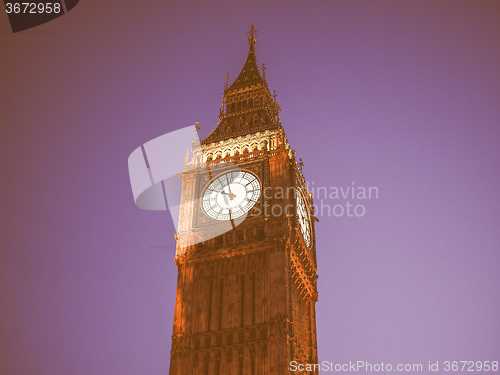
231,195
303,218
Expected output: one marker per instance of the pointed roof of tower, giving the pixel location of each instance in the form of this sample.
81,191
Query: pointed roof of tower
247,104
250,74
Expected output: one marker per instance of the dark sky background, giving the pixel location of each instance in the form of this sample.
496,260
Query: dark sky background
400,95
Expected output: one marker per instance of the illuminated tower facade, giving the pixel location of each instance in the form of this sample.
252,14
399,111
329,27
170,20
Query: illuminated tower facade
246,249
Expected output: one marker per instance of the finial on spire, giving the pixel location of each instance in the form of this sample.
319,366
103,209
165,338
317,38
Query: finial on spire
275,95
252,34
263,70
197,126
226,82
301,164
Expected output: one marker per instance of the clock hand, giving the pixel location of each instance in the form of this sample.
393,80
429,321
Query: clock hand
225,198
231,195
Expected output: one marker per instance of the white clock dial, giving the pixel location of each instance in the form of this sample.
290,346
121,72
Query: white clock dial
303,218
231,195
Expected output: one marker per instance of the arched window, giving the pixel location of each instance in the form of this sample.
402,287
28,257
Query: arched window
217,364
221,301
242,293
207,364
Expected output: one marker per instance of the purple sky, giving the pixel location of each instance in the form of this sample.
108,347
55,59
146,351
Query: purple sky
404,96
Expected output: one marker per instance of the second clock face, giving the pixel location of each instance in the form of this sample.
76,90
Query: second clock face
303,218
231,195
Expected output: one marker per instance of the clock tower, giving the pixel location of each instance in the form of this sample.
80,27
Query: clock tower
246,249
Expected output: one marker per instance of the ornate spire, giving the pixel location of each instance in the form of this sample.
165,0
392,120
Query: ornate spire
250,74
247,104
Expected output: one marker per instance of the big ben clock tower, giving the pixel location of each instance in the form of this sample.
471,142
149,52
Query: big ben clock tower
246,249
